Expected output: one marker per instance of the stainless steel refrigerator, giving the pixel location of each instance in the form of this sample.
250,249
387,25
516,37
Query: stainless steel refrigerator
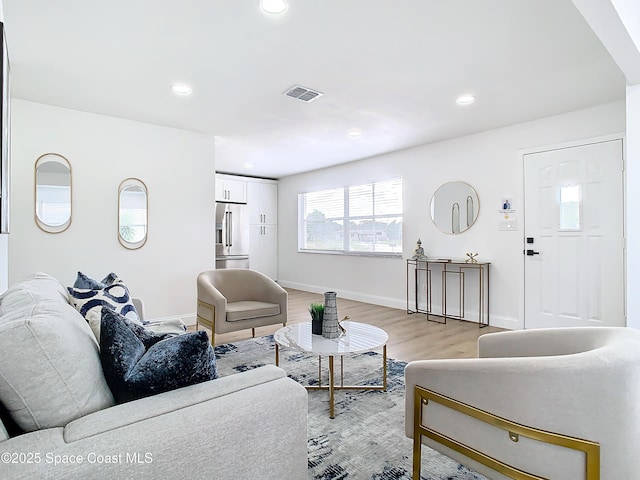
232,235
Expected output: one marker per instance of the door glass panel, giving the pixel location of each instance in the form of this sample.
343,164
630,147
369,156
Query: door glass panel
570,208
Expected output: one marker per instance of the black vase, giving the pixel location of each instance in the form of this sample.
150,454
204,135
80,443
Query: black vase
316,326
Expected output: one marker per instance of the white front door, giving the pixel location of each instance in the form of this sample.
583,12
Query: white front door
574,244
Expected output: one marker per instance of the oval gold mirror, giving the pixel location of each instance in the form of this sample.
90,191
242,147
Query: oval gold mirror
53,193
132,213
454,207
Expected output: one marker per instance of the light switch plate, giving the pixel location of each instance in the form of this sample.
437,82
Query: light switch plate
508,225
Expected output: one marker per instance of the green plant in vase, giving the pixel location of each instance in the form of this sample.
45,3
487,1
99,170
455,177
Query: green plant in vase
317,312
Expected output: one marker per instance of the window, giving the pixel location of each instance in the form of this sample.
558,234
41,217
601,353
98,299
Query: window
365,219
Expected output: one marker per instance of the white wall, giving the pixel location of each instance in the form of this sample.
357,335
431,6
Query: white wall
616,24
632,212
489,161
4,239
178,169
4,262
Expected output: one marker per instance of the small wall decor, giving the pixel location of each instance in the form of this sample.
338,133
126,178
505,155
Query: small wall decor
454,207
507,214
132,213
472,258
52,193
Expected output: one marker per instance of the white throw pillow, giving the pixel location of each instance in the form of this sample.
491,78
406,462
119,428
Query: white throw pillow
89,303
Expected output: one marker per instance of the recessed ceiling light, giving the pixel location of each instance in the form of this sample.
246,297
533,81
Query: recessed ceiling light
354,134
181,89
273,6
248,165
465,99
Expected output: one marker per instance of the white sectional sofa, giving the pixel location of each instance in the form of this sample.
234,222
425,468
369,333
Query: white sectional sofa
244,426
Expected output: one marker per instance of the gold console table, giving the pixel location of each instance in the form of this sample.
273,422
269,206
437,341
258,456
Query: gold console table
420,277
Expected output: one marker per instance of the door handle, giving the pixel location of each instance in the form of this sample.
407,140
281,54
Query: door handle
531,253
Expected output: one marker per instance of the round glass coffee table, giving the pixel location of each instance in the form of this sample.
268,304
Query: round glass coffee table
358,337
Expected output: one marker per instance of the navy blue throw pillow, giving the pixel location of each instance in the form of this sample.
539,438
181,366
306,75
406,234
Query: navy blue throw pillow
86,282
138,363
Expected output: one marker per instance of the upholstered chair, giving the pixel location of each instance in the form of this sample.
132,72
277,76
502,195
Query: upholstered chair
235,299
556,403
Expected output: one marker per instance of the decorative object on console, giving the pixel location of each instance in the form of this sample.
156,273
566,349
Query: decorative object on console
330,325
317,311
113,295
418,253
472,258
137,366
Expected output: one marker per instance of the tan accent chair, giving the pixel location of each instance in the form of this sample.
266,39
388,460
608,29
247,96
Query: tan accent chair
233,299
558,403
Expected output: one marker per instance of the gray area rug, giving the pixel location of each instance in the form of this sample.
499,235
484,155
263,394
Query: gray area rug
366,438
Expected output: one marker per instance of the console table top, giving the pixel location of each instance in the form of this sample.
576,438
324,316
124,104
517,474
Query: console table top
446,261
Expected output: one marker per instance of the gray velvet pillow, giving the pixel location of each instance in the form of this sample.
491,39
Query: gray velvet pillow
138,363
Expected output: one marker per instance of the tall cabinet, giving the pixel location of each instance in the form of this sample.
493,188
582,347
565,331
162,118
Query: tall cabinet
262,198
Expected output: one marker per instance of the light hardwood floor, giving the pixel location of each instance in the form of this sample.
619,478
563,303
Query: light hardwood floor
411,337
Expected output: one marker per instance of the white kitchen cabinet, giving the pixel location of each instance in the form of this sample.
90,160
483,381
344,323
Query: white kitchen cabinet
262,197
229,189
263,249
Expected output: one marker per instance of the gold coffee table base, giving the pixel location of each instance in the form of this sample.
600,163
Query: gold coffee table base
332,387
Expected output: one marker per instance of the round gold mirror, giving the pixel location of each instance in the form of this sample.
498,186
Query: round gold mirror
132,213
454,207
52,193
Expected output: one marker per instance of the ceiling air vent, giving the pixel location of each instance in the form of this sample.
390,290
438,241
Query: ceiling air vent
302,93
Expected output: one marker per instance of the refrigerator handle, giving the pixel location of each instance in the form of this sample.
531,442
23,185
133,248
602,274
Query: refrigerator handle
230,226
226,229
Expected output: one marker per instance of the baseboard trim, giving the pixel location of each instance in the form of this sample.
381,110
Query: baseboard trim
499,321
350,295
509,323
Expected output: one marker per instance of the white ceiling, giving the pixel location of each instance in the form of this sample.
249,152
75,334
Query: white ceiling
388,68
